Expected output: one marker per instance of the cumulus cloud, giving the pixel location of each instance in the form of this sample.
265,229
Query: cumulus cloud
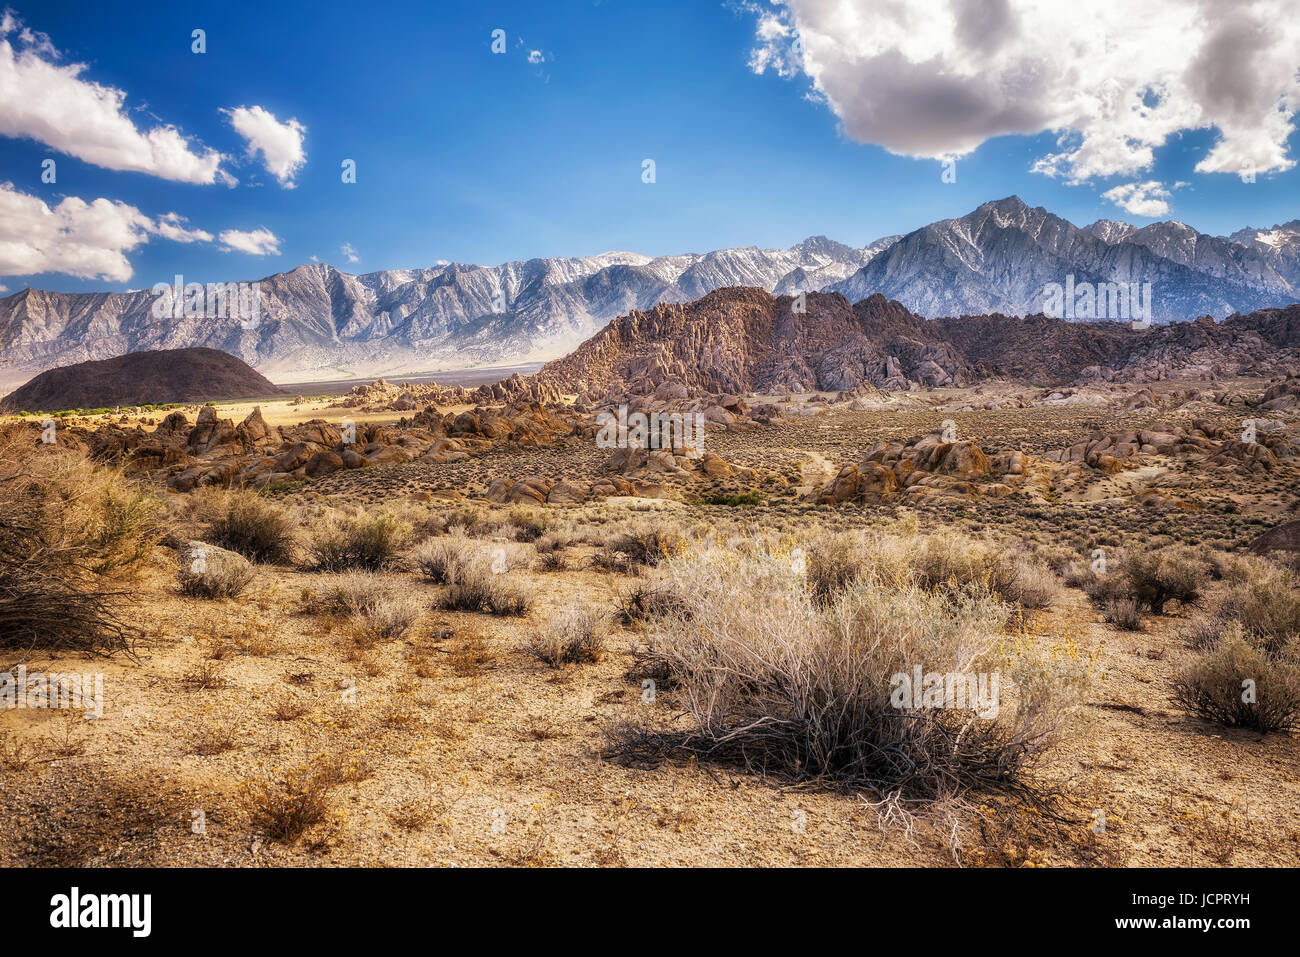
1140,199
51,102
171,226
1113,78
281,144
347,250
76,238
256,242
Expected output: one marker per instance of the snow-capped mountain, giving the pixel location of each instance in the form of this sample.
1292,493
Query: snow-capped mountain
318,322
1004,255
1279,246
1110,231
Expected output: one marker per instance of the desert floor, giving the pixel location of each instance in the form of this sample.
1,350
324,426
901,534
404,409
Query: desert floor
465,750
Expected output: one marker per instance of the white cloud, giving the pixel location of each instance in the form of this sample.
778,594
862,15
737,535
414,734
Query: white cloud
536,56
257,242
1140,199
279,143
51,103
76,238
347,250
171,226
1114,78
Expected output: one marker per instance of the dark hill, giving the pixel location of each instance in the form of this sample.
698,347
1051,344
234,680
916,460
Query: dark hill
141,378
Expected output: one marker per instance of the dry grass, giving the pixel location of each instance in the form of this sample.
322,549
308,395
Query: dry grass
370,543
577,637
378,608
73,540
260,529
775,679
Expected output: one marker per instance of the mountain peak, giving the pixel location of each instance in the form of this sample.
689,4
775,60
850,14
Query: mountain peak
1110,230
1009,204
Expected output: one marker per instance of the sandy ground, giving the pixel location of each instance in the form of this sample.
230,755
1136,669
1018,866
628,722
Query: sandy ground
503,755
465,750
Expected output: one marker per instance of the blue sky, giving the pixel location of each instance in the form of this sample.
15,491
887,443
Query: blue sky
471,156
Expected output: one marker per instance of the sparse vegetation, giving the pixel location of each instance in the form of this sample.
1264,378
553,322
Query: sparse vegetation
256,527
772,679
339,543
576,637
74,538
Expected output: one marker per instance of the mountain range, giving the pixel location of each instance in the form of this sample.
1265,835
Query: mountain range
740,341
317,322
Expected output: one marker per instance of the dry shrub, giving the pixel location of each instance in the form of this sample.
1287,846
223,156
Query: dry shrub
1155,578
256,527
413,814
338,543
444,560
642,543
471,655
466,519
529,524
287,806
642,601
834,563
552,561
290,707
478,589
1217,684
950,562
73,539
771,678
553,541
1266,606
205,676
956,563
209,572
380,609
1204,632
576,637
216,738
1124,613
